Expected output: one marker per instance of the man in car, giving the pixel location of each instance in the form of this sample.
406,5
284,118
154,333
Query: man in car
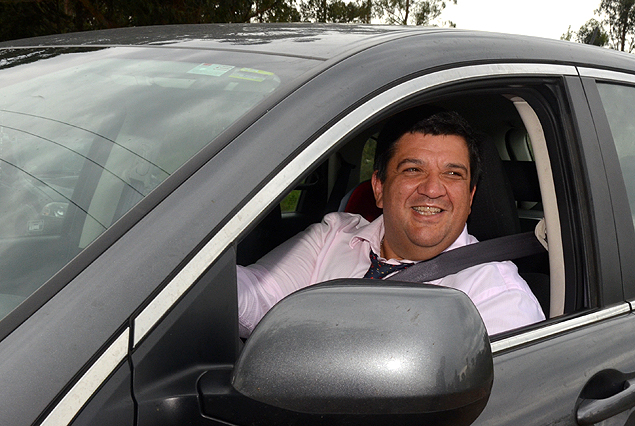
424,180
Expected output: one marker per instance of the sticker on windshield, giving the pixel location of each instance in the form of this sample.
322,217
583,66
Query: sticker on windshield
251,74
215,70
35,225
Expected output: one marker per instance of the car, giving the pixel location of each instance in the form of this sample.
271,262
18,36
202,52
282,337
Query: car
139,166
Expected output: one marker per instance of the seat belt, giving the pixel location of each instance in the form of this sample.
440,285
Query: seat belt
509,247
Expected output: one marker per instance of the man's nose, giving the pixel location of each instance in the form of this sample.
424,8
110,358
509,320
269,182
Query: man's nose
431,186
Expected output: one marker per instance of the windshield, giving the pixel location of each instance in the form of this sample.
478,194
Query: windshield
84,136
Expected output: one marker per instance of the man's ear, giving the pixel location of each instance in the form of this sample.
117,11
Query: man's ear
377,190
472,197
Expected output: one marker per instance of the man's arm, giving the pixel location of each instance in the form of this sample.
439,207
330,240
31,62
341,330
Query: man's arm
509,309
287,268
501,296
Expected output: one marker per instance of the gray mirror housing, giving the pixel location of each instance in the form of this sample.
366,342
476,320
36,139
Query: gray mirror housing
357,347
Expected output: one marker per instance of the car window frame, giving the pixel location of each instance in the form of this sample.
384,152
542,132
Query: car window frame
617,189
309,157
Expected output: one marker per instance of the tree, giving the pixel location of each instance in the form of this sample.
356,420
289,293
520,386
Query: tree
619,15
336,11
404,12
27,18
592,32
568,36
276,11
341,11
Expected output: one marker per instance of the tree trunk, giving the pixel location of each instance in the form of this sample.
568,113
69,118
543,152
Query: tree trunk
407,11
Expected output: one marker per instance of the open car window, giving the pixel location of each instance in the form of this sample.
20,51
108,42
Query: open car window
514,125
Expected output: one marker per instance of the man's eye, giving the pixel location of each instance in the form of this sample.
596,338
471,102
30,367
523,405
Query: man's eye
455,173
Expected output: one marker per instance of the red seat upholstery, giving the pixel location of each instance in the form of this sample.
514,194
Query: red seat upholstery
362,201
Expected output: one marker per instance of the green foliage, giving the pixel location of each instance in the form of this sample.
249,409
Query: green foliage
568,36
404,12
616,15
619,16
592,32
340,11
290,202
28,18
335,11
368,160
276,11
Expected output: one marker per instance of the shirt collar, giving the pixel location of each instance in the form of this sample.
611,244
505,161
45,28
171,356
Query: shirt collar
462,240
371,233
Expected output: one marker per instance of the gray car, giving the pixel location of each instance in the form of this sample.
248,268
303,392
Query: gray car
139,166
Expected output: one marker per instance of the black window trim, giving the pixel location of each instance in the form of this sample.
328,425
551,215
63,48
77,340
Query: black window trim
623,225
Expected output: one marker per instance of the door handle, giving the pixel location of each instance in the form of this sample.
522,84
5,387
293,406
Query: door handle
605,395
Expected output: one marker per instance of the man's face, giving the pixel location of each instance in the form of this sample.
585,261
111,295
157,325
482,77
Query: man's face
426,196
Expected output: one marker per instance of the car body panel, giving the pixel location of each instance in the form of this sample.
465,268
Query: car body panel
544,392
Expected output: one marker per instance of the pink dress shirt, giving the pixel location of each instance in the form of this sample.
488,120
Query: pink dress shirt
339,247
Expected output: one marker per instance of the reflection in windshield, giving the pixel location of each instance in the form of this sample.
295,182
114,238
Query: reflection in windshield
85,136
49,170
15,57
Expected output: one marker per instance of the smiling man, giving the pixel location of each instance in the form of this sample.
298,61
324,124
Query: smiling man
425,179
425,193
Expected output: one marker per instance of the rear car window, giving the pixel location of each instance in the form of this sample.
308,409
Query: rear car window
616,100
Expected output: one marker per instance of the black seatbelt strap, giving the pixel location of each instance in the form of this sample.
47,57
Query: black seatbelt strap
450,262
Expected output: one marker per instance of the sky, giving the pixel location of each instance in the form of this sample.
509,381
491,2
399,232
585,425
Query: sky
542,18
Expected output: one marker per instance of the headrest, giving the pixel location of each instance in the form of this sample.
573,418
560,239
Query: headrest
361,200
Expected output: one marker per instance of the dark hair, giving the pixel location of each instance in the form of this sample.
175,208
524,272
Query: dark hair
427,121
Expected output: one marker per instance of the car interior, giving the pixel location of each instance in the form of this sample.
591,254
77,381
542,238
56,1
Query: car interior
508,198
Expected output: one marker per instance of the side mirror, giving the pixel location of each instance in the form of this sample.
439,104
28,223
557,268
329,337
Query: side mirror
361,349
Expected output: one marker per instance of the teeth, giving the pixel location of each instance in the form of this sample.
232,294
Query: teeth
427,210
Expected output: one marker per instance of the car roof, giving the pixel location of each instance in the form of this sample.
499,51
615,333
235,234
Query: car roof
330,42
306,40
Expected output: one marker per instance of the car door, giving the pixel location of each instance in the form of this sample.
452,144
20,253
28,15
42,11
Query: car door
549,373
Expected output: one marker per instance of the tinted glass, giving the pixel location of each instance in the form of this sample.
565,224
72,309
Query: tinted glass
84,136
618,101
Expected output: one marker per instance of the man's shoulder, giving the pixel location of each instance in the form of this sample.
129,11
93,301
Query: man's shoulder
353,228
341,219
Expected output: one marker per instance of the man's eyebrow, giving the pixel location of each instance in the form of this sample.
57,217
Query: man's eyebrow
409,161
419,162
457,166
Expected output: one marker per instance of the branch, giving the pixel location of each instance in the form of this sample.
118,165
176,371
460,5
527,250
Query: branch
96,14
